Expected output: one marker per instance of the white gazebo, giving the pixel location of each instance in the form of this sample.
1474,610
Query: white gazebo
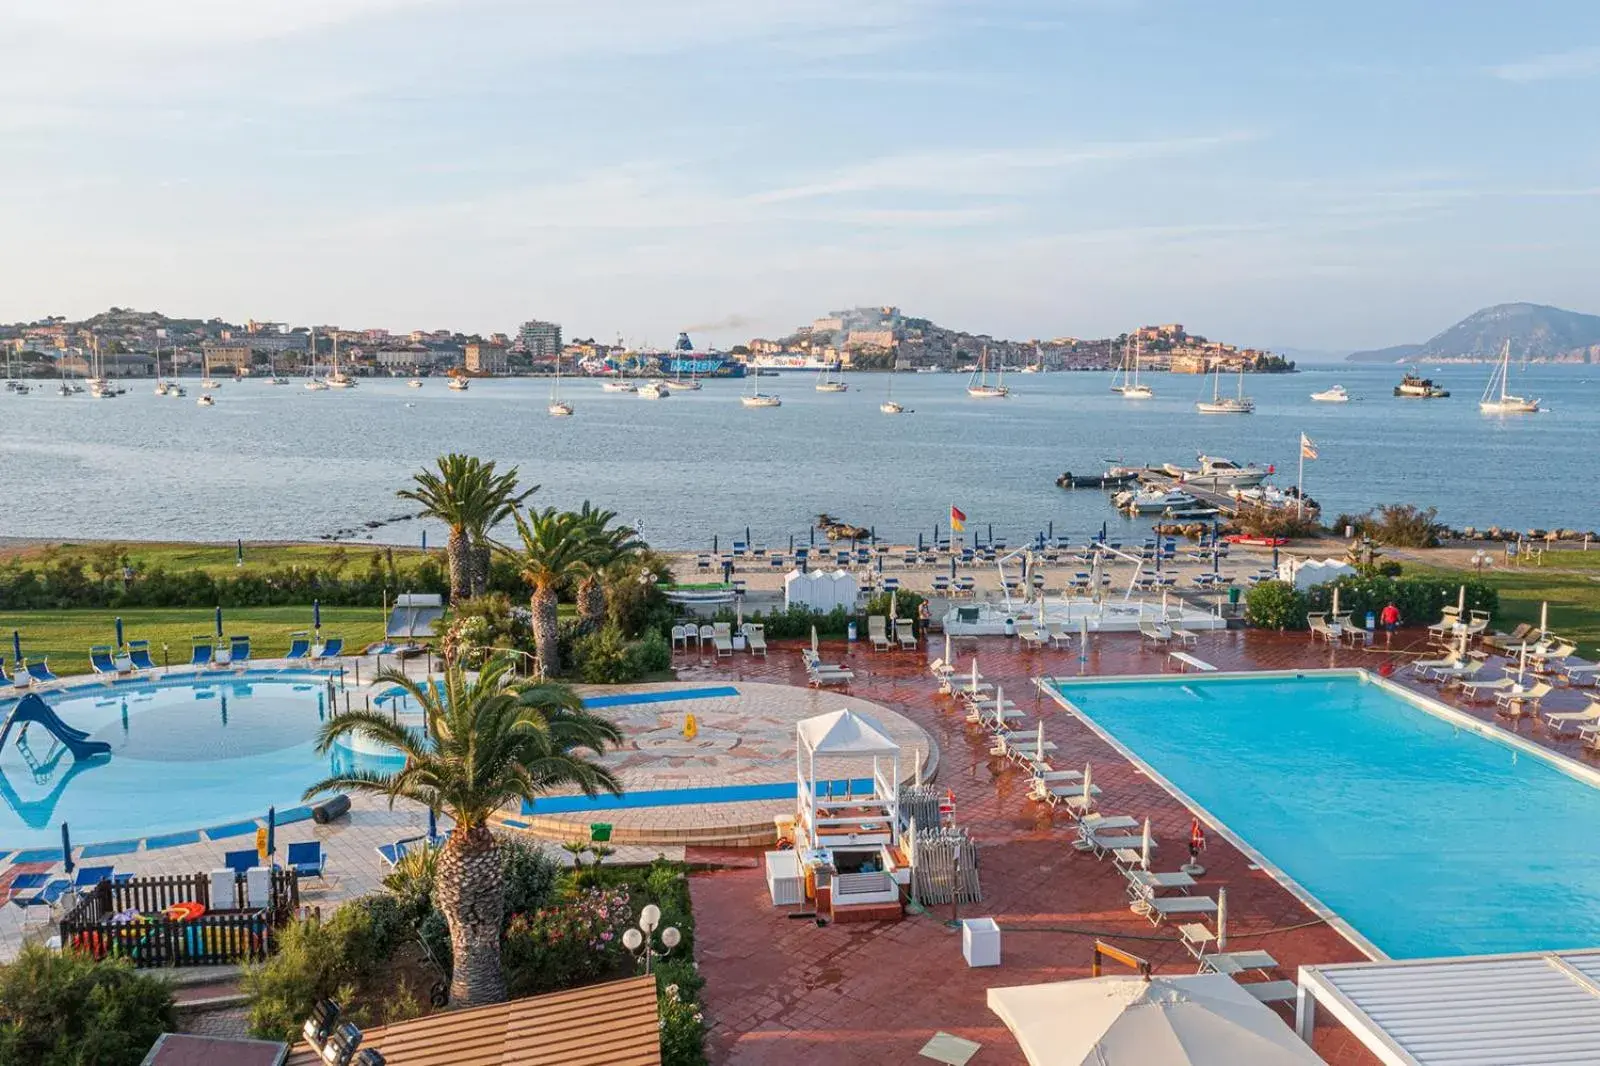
848,825
1134,1020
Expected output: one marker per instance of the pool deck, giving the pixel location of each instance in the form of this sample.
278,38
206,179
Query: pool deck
781,991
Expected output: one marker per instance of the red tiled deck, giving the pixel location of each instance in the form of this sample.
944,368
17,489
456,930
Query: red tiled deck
781,990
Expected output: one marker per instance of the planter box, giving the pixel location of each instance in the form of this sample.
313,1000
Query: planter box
980,942
785,883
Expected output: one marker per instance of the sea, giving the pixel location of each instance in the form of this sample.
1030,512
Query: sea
285,463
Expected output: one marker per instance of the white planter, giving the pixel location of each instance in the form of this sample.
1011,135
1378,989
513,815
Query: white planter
980,941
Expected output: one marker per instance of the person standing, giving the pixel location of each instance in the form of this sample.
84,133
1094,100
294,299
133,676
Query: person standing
1390,621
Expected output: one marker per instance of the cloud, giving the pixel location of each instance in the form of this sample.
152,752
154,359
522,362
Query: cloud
957,172
1573,63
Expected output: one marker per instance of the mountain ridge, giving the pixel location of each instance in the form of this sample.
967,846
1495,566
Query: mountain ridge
1537,333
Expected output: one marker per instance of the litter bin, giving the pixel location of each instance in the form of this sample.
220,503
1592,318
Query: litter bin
1233,596
1011,626
850,634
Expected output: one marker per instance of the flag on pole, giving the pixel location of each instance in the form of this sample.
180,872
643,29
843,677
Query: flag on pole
1308,447
958,519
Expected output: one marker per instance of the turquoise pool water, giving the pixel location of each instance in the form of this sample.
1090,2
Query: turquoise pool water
1427,838
185,754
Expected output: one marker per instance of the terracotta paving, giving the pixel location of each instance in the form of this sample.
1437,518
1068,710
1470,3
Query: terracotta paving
782,990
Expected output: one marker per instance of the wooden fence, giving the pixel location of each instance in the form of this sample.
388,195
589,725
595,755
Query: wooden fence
232,933
945,863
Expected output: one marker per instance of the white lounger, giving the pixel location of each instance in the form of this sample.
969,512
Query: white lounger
1158,908
1558,720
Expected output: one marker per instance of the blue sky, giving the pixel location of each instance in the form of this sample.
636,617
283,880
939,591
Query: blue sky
1305,175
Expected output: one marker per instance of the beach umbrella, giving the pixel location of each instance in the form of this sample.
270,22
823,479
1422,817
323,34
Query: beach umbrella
872,536
1336,601
118,627
952,566
1461,601
1088,787
791,543
1222,919
16,646
919,542
814,647
433,824
1102,532
1083,639
713,544
66,848
747,536
894,603
316,614
974,673
272,830
1144,845
947,647
1038,743
991,532
424,540
219,619
238,558
738,613
1052,529
813,532
1522,662
1163,603
880,564
1544,619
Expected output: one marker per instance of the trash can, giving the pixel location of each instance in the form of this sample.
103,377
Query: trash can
1011,626
1233,596
850,634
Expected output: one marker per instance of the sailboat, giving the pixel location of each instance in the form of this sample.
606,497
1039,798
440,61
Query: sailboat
161,383
889,406
275,378
558,407
757,398
1495,399
677,383
206,380
99,387
313,383
1226,405
338,379
1131,388
978,385
827,381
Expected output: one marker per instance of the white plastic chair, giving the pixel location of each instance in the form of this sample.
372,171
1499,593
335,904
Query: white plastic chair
680,638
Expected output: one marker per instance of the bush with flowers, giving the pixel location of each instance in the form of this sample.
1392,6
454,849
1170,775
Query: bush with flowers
682,1028
573,943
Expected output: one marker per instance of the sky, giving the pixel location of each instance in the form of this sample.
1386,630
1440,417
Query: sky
1312,176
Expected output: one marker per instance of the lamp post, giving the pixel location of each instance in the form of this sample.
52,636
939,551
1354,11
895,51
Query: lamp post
1480,559
640,941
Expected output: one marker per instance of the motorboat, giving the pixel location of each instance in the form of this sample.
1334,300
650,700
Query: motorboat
1226,405
889,407
1130,386
278,379
1496,400
316,385
1151,500
654,390
1415,387
458,384
618,385
414,383
979,386
206,400
1216,472
1336,394
174,389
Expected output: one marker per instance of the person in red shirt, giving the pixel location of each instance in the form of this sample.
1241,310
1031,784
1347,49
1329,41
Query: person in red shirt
1390,621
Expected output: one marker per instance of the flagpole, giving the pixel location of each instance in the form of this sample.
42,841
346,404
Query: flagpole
1300,482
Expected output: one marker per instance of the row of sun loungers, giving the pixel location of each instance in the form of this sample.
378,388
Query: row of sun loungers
820,674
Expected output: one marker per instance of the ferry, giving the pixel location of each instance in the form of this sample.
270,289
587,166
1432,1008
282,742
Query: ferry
1416,387
684,364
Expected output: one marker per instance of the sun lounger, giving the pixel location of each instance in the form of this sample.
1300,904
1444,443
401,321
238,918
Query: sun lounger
1035,636
1550,659
1460,673
101,661
1103,843
1517,702
87,877
722,637
1580,674
1514,639
20,681
203,650
299,646
905,632
46,896
40,671
1423,667
1272,991
331,649
1184,659
820,673
877,632
1160,908
307,859
241,861
238,651
755,636
1559,720
139,655
1476,691
1446,624
1153,633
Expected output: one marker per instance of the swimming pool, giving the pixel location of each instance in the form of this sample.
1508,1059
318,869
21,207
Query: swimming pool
1426,834
189,753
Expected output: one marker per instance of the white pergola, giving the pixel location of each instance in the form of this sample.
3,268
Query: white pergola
1534,1009
845,734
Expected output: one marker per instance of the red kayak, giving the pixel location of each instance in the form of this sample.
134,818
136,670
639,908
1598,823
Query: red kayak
1258,542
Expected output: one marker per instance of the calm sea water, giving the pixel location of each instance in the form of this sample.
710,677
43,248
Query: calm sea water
285,463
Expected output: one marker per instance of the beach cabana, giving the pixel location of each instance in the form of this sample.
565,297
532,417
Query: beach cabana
1135,1020
847,823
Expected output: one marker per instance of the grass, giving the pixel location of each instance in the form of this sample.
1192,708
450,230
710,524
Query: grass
221,560
1574,598
66,636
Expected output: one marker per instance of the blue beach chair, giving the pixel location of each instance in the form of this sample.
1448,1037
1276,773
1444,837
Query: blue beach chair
40,671
332,649
89,876
6,678
299,646
238,651
47,897
139,655
100,660
201,656
241,861
308,859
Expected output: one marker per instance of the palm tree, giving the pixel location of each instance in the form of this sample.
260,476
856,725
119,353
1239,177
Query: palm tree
612,548
467,494
557,547
489,742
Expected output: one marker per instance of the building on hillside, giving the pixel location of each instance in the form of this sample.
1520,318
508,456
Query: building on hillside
228,355
416,357
541,340
881,339
125,365
486,358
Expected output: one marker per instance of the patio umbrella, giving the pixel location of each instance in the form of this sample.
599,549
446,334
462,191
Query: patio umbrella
947,648
118,627
433,824
219,619
1222,919
894,602
952,566
738,613
974,674
1144,845
16,646
272,830
1038,742
66,848
1522,662
1088,786
424,542
1544,619
1134,1020
815,650
1083,639
238,558
316,614
1461,601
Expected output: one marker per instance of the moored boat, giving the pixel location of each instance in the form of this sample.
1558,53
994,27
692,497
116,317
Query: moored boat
1336,394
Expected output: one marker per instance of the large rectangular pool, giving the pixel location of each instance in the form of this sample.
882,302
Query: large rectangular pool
1427,836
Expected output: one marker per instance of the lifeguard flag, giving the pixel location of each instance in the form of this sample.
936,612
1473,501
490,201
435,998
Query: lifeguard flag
958,519
1308,447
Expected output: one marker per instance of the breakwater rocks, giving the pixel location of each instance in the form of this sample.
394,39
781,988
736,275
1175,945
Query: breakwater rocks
1496,533
354,532
834,529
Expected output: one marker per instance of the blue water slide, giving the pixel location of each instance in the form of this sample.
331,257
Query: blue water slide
33,709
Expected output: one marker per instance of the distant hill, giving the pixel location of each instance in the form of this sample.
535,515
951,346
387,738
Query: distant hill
1397,353
1536,332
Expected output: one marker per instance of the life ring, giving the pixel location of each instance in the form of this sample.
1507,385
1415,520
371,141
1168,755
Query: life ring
186,911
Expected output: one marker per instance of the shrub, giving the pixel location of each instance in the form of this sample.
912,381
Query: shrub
907,603
1399,525
1275,522
570,944
317,959
531,877
649,655
70,1010
1276,605
601,657
1420,598
682,1026
796,622
411,882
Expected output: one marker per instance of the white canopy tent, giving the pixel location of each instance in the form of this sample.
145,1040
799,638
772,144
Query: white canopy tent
818,590
1304,573
1131,1020
845,734
1533,1009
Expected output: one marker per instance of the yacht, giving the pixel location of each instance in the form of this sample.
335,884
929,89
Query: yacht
1333,395
458,384
206,400
828,381
558,407
1217,471
1226,405
979,386
756,398
414,383
1131,387
654,390
1496,400
1151,500
618,385
1415,387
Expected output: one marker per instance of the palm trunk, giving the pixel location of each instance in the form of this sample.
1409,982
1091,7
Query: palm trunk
480,568
545,634
469,891
592,603
459,554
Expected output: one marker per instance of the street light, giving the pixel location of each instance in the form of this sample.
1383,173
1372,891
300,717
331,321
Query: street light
639,940
1480,559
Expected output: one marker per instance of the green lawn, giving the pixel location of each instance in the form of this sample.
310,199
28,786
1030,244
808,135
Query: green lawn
1574,598
66,636
220,560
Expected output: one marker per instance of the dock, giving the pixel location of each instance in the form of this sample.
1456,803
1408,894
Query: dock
1225,505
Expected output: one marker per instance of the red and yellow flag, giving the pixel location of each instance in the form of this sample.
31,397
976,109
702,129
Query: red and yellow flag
958,519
